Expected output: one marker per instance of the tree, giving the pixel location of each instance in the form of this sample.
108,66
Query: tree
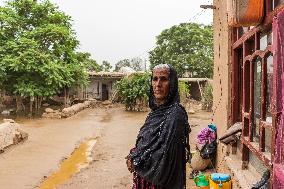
188,47
88,62
122,63
106,66
137,64
37,50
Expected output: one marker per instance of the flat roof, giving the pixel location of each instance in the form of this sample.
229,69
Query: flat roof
107,74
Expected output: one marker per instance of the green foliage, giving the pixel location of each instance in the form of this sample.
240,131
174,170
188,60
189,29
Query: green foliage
89,63
188,47
137,64
183,88
37,49
106,66
207,98
133,90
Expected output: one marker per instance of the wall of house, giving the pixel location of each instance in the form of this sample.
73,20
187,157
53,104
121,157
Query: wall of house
222,83
221,78
94,89
194,89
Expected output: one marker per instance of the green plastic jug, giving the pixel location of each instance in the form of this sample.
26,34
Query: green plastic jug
201,180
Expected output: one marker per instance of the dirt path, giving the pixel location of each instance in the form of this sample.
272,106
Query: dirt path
108,171
25,165
50,141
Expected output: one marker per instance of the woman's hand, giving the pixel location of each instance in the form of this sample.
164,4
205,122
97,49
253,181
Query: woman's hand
129,164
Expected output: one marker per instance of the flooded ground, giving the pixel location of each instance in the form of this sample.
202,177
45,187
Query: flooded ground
109,170
36,162
50,141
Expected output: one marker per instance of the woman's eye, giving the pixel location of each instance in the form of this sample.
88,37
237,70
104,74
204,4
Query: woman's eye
155,79
164,79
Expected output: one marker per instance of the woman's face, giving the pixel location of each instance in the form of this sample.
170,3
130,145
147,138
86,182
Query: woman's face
161,84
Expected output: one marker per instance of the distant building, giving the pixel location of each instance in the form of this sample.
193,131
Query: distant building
101,86
196,86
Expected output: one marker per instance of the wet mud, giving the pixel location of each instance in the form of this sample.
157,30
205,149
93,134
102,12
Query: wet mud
57,153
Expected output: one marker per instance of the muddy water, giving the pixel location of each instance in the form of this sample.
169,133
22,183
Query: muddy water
36,162
79,159
119,135
50,141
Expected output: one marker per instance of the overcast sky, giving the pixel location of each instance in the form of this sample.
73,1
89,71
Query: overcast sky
117,29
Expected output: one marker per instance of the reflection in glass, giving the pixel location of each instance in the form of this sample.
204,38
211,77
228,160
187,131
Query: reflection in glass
265,40
275,3
269,88
267,140
257,97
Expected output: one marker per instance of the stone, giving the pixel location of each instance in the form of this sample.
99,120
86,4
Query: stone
49,110
110,106
191,111
106,102
87,103
55,115
5,112
9,121
45,105
10,134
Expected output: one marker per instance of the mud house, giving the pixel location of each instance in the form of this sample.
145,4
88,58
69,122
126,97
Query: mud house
102,84
248,87
196,86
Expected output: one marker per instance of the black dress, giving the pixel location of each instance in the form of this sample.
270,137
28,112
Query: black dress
161,149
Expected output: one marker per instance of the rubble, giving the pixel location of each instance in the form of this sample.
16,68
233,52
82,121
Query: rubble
45,105
106,102
67,112
49,110
10,134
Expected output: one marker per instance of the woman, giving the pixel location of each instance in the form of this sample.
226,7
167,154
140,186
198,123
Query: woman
160,154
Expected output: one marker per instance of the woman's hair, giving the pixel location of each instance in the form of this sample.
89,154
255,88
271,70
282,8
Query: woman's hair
162,66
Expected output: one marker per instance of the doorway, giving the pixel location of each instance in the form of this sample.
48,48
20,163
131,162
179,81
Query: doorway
104,92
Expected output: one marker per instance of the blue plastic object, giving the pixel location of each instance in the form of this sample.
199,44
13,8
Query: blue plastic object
220,177
213,127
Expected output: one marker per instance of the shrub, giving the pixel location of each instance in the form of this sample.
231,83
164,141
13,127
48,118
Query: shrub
207,98
183,88
133,91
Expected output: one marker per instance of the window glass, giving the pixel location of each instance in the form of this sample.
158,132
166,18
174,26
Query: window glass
265,40
276,3
267,140
257,97
269,88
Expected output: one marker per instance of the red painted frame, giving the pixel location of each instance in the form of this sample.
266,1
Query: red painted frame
242,92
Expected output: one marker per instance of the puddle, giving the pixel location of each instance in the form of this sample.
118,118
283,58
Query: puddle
79,159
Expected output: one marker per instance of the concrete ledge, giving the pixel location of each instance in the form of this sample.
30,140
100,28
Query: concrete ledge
245,177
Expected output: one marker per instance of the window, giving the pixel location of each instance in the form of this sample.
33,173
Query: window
252,87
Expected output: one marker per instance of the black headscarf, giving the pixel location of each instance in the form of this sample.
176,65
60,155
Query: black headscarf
160,154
